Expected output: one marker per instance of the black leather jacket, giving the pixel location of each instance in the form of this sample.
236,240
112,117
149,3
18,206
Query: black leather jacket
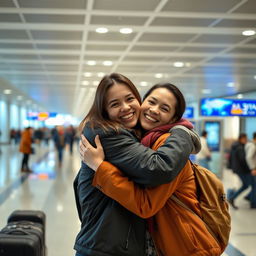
107,228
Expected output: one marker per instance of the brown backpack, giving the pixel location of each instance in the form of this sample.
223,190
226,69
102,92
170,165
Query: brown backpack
213,204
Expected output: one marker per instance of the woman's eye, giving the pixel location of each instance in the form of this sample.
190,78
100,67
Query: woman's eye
114,105
151,102
130,99
165,109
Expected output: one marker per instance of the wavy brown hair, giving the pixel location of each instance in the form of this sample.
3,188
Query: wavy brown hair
97,115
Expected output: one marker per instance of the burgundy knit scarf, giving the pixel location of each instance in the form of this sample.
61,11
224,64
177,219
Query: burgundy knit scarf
151,136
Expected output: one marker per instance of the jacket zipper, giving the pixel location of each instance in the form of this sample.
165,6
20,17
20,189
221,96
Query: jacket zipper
127,239
157,253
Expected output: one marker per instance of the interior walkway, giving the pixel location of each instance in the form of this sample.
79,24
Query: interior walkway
50,189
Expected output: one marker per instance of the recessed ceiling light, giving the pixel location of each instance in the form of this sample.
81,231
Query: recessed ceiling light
178,64
187,64
159,75
254,77
101,30
126,30
19,97
101,74
107,63
248,32
230,84
85,83
240,96
87,74
28,101
7,91
91,62
143,83
95,83
206,91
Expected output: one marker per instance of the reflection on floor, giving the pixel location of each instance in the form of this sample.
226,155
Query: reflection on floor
49,188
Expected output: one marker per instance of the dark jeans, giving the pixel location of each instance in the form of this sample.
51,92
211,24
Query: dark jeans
60,154
24,164
247,180
78,254
253,192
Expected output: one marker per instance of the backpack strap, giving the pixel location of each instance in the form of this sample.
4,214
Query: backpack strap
179,202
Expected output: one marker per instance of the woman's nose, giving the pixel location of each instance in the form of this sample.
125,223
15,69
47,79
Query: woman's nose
154,110
125,107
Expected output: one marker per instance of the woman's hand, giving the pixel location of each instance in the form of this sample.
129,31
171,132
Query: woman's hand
90,155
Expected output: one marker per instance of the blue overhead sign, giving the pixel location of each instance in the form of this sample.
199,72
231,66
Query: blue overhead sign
40,115
189,112
228,107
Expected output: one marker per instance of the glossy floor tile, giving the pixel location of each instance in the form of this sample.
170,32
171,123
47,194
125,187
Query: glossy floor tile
49,188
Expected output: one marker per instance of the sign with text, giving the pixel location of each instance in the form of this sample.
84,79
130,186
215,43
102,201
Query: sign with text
228,107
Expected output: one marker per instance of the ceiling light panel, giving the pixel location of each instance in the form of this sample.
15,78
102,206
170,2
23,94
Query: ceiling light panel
201,6
131,5
126,30
120,20
248,32
104,48
181,21
54,18
158,37
101,30
110,36
57,35
75,4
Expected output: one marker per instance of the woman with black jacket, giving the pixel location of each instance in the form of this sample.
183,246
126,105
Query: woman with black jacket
108,229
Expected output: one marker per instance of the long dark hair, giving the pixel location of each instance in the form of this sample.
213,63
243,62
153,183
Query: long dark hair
97,115
181,104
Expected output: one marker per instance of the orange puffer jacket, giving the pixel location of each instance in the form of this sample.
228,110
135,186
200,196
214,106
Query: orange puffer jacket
25,143
177,232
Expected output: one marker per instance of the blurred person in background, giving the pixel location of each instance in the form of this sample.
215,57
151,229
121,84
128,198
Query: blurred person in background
204,156
58,137
69,137
46,135
38,136
239,166
250,153
17,136
12,135
26,148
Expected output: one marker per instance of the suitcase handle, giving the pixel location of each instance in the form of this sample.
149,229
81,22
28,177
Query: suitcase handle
16,231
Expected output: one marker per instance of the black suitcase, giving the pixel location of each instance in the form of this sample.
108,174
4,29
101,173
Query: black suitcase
29,215
22,238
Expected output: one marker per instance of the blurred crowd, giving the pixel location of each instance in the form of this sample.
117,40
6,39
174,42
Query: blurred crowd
60,135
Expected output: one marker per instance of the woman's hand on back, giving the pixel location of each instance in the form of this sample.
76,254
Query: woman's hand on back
90,155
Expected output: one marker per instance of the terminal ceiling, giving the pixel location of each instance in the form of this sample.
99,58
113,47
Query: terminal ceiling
46,47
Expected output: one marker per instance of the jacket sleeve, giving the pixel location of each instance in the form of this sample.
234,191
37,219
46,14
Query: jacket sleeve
143,202
250,150
142,164
78,206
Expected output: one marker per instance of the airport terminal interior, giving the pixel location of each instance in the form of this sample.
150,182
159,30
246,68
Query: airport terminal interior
54,53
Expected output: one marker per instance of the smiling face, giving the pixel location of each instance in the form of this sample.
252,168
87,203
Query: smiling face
122,105
158,109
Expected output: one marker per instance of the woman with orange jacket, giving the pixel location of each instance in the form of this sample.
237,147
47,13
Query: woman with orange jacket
175,230
107,228
25,148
